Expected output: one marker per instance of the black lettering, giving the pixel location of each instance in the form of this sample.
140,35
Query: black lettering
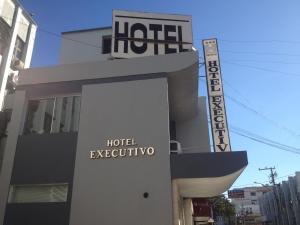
213,88
212,63
217,98
155,28
217,120
221,139
222,147
214,75
138,49
217,105
169,28
213,69
220,132
218,112
121,37
214,81
181,49
220,126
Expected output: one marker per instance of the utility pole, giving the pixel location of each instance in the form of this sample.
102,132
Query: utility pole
276,193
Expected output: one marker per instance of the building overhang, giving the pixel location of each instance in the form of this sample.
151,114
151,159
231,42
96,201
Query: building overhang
206,174
181,70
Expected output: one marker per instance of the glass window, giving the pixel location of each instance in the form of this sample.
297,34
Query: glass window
253,193
38,193
106,44
53,115
23,28
8,11
39,116
19,48
66,114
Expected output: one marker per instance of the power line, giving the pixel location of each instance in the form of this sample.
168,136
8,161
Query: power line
261,53
265,142
70,39
263,69
259,41
39,29
256,112
263,61
291,132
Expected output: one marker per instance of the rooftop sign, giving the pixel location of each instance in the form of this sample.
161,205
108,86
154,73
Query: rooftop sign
236,193
216,97
145,34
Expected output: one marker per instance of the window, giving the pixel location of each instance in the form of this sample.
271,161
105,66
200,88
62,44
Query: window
52,115
253,193
23,28
38,193
106,44
7,12
19,48
253,202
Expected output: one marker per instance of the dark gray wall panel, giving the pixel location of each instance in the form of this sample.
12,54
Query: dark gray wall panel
45,158
210,164
37,214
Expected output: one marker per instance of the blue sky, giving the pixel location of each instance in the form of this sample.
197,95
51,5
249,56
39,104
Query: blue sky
260,57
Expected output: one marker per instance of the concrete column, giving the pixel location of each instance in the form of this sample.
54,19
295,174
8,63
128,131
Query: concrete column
29,45
7,56
175,201
188,211
10,149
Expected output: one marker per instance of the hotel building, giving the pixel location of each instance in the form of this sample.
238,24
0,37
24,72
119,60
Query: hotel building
104,140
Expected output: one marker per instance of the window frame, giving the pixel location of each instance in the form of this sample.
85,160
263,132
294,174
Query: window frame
13,186
24,117
106,37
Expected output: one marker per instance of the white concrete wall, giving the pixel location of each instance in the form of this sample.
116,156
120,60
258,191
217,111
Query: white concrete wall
83,46
193,134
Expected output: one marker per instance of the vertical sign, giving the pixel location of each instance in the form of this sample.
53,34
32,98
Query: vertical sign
144,34
216,97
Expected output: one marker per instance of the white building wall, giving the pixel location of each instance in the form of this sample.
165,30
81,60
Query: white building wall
17,23
250,202
193,134
83,46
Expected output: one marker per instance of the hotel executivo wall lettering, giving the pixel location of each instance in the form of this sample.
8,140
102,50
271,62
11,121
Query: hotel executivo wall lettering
120,148
216,97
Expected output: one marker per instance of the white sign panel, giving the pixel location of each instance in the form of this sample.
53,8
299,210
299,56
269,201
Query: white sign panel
145,34
216,97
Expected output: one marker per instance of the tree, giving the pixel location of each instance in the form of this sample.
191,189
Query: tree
222,207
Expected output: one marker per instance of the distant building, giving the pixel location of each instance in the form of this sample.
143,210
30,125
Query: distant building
17,35
111,140
282,204
245,201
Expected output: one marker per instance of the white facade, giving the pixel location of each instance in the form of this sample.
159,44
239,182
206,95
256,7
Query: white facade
17,35
249,205
89,43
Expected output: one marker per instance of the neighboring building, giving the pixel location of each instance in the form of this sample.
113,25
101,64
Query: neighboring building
17,35
245,201
281,206
101,140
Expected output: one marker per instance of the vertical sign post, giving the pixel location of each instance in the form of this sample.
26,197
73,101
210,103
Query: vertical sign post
215,92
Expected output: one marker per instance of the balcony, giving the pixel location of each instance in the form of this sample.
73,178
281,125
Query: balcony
206,174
